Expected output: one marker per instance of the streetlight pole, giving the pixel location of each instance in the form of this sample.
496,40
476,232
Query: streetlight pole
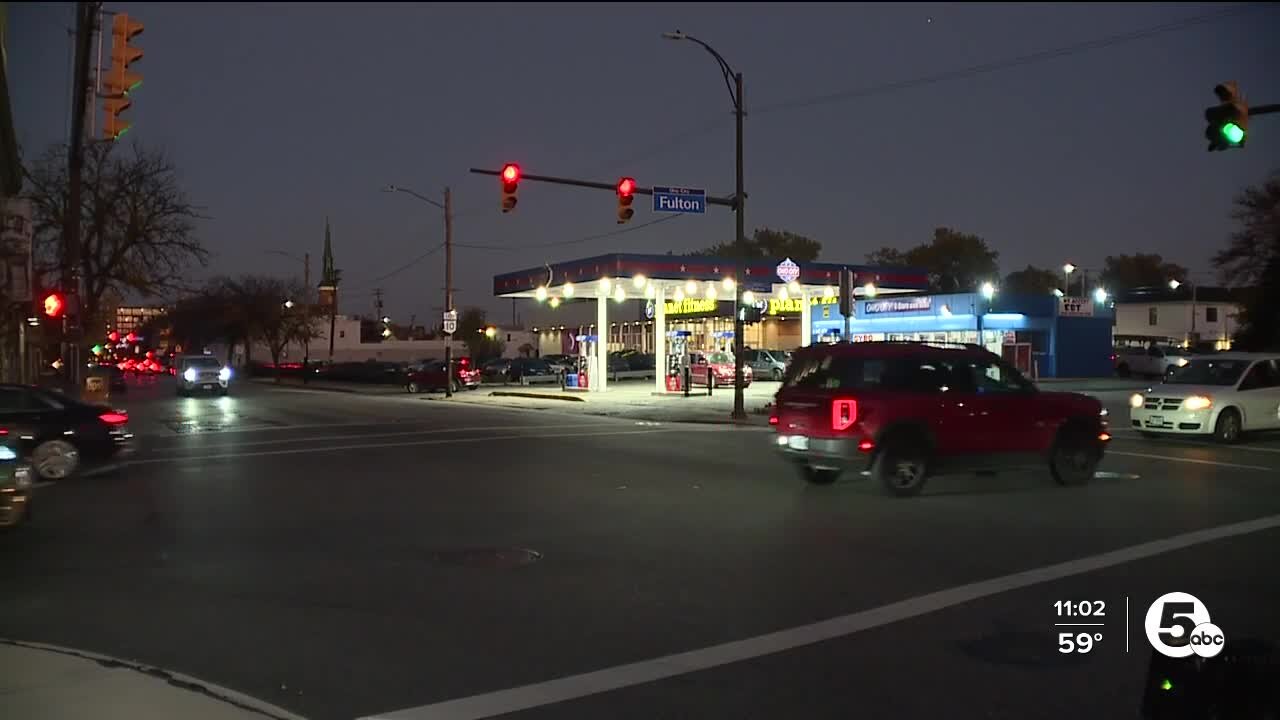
733,80
306,306
447,207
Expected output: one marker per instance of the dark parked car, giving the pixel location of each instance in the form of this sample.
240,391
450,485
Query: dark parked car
430,375
61,436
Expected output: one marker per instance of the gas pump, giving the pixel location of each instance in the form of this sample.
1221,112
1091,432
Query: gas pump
586,359
677,360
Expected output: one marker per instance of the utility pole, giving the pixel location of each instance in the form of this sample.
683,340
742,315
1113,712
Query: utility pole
448,288
377,301
739,404
86,16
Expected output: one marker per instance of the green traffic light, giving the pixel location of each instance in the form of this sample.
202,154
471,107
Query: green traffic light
1166,685
1233,133
97,349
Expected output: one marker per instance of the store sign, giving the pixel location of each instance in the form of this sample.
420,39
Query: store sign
1075,307
897,305
691,306
788,271
649,310
795,305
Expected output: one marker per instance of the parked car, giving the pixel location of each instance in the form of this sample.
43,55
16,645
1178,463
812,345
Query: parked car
521,370
15,488
1223,395
562,363
715,369
430,375
768,364
906,411
61,436
1152,361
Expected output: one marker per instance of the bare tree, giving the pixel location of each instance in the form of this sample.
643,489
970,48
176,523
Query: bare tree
137,225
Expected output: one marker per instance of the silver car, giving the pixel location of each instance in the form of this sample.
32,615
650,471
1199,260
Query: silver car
202,372
768,364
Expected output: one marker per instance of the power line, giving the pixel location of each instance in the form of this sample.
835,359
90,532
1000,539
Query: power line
988,67
575,241
403,267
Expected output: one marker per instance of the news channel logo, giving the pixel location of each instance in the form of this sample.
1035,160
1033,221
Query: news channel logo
1178,626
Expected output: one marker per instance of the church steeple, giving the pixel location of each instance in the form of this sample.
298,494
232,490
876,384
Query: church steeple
329,275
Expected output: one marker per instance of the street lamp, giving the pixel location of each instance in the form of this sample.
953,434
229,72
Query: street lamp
288,304
988,291
732,81
1066,277
447,207
1100,295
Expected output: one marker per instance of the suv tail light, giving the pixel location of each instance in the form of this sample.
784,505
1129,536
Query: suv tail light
114,418
844,413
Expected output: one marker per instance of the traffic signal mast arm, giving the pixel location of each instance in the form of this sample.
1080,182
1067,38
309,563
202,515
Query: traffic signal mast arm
611,187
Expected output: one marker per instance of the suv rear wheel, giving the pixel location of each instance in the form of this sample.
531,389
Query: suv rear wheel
902,466
1075,457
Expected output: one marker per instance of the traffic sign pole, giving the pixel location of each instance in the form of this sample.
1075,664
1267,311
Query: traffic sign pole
448,292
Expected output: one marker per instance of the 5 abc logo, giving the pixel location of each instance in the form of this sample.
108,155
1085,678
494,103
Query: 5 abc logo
1178,626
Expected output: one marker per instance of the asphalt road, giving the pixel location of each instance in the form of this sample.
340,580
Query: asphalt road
344,556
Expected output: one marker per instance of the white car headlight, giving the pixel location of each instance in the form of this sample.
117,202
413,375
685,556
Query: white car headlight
7,453
1136,400
189,375
1197,402
224,374
1181,362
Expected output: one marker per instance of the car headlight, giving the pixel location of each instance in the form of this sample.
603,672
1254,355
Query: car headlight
7,453
224,374
189,374
1197,402
1181,362
1136,400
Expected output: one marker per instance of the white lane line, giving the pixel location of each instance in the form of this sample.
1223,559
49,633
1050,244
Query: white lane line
1193,461
359,436
1198,443
622,676
415,443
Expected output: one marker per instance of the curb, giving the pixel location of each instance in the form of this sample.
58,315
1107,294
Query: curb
535,396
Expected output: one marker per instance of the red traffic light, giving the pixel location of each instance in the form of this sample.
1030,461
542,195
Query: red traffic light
54,304
510,173
114,336
131,338
626,186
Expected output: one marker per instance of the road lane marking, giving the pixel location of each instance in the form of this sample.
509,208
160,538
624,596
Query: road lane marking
360,436
415,443
622,676
1193,461
1198,443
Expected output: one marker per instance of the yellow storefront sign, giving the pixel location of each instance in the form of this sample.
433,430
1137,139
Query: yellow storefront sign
794,305
690,306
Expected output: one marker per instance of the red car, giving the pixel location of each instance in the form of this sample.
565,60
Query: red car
715,369
906,411
430,375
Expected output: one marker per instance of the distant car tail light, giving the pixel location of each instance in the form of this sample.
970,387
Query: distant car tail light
844,413
773,419
866,445
114,418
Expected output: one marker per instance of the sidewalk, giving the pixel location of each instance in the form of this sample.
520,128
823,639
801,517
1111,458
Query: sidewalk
46,683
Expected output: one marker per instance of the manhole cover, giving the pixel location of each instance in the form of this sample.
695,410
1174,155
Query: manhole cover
1024,649
491,558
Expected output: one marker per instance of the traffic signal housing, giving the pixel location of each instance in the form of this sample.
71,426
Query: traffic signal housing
626,194
1228,121
118,82
510,177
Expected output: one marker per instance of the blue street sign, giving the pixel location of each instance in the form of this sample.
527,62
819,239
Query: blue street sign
680,200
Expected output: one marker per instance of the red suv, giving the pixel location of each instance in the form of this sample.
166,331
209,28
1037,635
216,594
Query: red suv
906,411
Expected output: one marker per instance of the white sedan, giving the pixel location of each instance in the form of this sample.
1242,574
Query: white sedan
1222,395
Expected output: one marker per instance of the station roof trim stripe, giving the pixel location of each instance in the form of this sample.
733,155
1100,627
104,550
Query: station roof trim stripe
680,268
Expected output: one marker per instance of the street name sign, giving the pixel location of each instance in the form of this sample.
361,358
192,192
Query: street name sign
680,200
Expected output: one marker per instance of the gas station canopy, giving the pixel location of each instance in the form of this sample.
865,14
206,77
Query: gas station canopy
635,276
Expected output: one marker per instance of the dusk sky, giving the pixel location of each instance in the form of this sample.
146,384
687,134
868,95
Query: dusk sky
280,115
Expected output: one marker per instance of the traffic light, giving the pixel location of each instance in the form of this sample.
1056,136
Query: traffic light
626,194
1229,120
119,82
510,183
114,336
53,304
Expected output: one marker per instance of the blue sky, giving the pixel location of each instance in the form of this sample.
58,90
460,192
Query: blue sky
279,115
